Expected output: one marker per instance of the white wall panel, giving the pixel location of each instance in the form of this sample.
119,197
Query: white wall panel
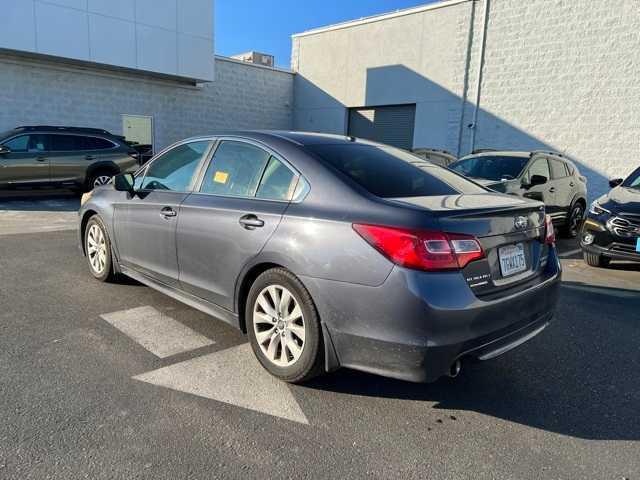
112,41
124,9
157,50
171,37
62,31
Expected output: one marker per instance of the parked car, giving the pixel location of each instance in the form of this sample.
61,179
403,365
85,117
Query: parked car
70,157
612,228
439,157
549,177
330,251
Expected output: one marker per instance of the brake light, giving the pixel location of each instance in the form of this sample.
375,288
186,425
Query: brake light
550,233
420,249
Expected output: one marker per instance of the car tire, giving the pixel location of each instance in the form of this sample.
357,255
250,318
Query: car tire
574,221
595,260
97,247
284,332
97,178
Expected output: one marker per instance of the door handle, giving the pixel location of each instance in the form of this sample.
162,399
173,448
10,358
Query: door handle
251,222
552,189
41,159
168,212
89,157
572,184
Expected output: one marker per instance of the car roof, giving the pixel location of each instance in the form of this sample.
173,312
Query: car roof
296,138
499,153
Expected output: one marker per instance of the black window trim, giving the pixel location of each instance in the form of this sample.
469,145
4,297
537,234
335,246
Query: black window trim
272,153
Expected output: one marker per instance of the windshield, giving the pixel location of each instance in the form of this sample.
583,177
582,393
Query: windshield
388,172
633,180
4,135
496,168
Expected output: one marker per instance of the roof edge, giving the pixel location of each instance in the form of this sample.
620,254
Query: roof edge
380,17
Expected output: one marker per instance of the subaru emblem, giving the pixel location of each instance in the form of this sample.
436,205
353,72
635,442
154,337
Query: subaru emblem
521,223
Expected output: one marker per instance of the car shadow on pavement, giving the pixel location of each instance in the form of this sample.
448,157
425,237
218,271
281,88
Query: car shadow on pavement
39,201
580,377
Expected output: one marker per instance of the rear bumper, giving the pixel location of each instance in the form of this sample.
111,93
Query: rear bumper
417,324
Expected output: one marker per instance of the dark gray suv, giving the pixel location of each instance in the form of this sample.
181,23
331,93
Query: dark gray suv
330,251
71,157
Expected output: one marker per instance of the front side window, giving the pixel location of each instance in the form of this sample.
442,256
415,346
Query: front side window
278,182
27,143
558,169
175,170
487,167
539,167
235,170
388,172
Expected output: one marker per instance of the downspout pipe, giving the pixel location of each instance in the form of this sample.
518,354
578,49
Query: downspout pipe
483,42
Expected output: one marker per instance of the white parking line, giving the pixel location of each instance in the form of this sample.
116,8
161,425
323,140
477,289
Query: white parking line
231,376
157,332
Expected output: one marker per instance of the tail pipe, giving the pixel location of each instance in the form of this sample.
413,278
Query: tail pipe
455,368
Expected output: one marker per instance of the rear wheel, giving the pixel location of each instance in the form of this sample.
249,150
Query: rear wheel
595,260
283,327
97,248
574,222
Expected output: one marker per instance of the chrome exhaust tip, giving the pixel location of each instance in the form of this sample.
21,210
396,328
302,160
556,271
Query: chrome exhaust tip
454,370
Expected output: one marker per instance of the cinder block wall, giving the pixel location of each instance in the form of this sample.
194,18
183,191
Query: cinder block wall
558,74
563,75
243,96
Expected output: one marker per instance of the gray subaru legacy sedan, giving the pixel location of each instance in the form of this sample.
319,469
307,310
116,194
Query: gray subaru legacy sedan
330,252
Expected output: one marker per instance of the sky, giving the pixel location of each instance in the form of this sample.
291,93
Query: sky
267,25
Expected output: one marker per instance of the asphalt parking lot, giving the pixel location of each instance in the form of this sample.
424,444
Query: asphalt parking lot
91,389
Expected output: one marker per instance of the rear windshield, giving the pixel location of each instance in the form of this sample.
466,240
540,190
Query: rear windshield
499,167
390,173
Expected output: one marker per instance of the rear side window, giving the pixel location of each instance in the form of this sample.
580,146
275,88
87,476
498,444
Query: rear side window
558,169
235,170
388,172
278,181
65,143
95,143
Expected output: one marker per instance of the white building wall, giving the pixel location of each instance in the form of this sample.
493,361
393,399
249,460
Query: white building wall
243,96
169,37
558,74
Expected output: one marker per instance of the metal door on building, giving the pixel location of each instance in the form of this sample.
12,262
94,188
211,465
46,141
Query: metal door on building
393,125
138,129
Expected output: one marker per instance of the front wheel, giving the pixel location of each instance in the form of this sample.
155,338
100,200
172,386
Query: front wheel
574,222
97,248
283,326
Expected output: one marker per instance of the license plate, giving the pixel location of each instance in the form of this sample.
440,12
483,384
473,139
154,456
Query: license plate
512,259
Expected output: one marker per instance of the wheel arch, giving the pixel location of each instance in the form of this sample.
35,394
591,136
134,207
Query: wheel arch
244,285
83,226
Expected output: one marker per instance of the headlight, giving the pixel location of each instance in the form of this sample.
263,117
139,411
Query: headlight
85,197
596,209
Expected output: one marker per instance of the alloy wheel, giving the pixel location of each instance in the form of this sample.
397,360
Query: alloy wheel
97,249
574,221
101,180
279,325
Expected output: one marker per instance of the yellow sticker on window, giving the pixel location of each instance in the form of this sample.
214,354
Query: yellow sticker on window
221,177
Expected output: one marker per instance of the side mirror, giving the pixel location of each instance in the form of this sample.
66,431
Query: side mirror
124,182
535,180
614,182
4,150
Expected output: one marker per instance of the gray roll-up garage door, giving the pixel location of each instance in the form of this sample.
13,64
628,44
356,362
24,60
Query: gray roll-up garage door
390,125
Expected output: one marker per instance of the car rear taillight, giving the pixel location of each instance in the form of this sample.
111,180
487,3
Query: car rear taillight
420,249
550,233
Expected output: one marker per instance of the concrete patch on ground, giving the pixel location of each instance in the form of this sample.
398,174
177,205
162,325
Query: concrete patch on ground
160,334
231,376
